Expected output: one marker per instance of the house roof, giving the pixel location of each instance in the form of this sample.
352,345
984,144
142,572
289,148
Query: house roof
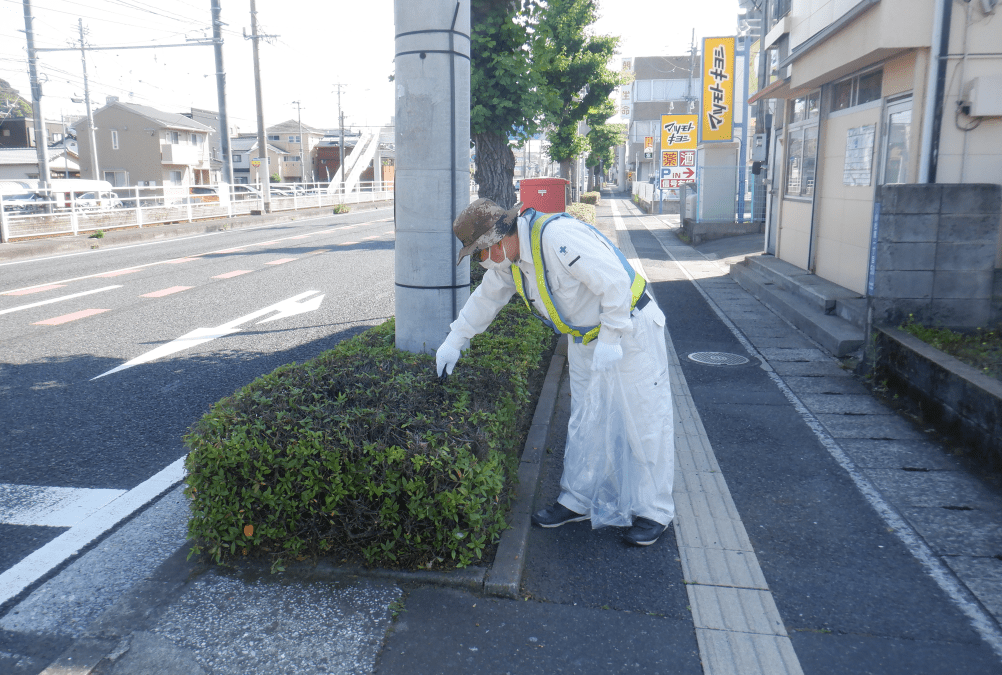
14,156
247,143
163,119
292,127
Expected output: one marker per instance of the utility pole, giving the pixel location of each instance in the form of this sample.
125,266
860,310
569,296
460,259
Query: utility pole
263,174
95,175
41,140
224,120
340,116
302,155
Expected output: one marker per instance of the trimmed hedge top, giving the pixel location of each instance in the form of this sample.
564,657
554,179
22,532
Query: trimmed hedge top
362,454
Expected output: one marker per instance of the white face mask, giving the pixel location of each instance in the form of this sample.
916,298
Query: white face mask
498,266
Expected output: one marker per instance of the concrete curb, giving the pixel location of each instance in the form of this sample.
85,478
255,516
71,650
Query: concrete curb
31,248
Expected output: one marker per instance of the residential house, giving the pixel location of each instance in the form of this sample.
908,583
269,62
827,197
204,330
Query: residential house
140,145
243,149
19,132
22,164
299,143
210,118
876,93
661,85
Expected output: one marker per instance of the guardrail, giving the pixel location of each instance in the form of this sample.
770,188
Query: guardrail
54,213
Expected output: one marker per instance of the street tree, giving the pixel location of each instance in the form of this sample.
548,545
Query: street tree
602,138
505,91
572,64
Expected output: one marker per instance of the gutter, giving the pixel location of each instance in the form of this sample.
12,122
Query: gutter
932,112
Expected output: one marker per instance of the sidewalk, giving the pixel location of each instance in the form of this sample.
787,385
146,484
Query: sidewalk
817,532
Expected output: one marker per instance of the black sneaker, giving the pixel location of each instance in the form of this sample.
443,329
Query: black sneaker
555,516
644,532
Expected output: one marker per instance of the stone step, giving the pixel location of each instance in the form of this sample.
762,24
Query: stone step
852,310
832,332
800,282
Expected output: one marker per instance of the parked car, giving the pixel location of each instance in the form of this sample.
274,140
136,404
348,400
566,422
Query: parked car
23,203
203,193
98,201
244,192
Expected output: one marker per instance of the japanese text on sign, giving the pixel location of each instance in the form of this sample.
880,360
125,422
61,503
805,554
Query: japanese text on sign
717,120
648,147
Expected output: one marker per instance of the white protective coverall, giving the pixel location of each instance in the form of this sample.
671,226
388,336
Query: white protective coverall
589,286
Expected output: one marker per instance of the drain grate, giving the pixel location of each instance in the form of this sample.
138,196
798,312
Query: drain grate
718,358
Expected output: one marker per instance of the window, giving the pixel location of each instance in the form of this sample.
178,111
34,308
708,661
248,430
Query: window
294,139
238,159
276,137
175,178
857,90
114,139
195,139
802,145
292,158
173,137
116,178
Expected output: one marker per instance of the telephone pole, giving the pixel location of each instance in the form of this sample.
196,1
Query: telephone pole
262,144
302,155
340,116
41,140
90,114
224,120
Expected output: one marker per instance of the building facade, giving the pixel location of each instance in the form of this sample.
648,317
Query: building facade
868,93
299,143
243,150
139,145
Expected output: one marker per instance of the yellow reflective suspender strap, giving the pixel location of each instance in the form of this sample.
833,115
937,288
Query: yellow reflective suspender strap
584,334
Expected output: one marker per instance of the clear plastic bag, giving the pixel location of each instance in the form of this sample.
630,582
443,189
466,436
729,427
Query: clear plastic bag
600,468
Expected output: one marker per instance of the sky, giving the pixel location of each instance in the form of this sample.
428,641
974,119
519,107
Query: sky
316,44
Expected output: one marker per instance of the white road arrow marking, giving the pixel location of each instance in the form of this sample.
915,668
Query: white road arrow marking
286,308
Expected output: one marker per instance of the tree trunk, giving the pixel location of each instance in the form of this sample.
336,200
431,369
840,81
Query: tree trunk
495,172
565,168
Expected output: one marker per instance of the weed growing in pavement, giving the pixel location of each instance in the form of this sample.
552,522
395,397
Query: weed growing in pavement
981,348
363,454
97,235
341,208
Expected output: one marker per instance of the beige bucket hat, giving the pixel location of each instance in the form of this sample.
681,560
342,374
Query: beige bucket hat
478,225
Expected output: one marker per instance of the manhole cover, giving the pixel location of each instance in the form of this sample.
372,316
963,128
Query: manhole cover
718,358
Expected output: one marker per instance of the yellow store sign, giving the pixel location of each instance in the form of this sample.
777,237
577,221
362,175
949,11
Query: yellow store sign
717,120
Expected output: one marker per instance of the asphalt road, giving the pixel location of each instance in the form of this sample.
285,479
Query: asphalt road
77,435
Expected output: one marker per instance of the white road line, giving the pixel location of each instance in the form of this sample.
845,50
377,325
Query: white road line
160,262
724,581
69,543
934,567
52,300
167,241
50,506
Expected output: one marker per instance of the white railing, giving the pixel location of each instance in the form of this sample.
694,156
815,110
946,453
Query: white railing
45,213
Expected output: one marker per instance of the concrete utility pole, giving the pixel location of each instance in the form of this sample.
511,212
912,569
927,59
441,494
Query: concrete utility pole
263,175
340,116
224,120
41,140
433,158
302,155
94,169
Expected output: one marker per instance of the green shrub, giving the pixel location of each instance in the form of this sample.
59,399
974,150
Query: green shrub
363,455
591,198
583,212
341,208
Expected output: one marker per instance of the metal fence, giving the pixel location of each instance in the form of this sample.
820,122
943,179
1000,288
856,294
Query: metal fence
44,213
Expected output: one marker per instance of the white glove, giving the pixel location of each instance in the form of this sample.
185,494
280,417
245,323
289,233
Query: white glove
448,354
606,356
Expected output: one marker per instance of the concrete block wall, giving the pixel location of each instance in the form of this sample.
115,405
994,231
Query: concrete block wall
936,254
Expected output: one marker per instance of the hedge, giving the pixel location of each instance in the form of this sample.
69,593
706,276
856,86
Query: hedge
363,455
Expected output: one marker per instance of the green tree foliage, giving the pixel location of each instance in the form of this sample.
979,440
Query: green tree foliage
505,91
573,66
